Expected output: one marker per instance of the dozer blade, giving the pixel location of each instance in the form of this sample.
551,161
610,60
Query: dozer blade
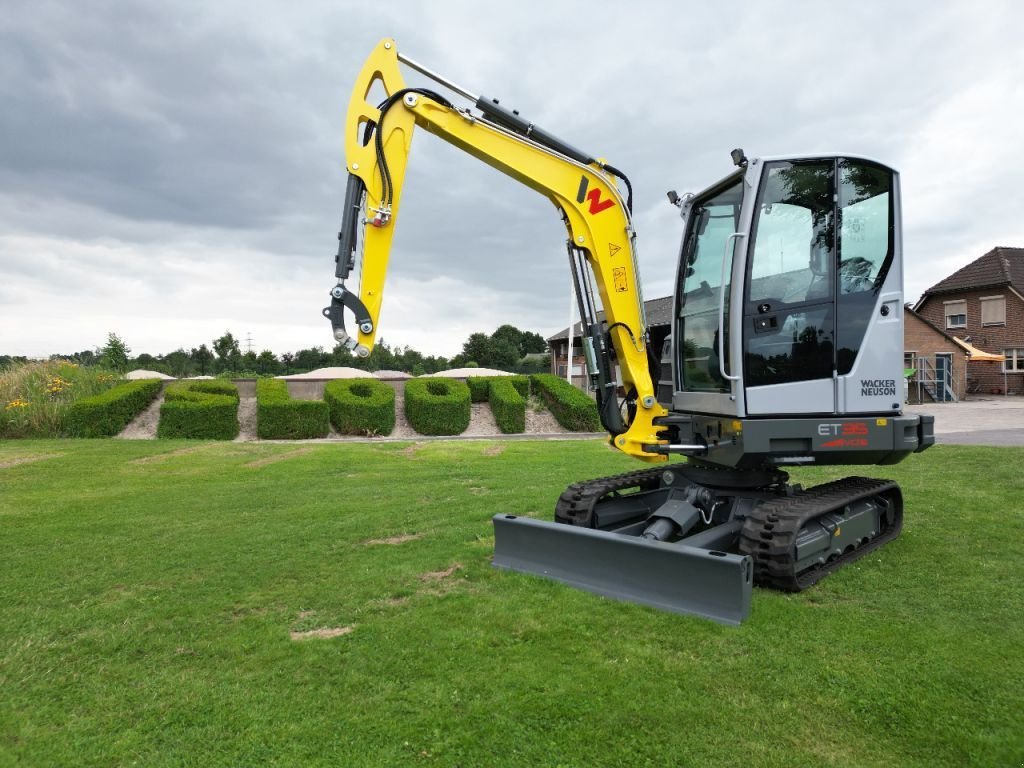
671,577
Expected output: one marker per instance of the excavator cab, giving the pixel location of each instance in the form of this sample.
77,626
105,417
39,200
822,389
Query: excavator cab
793,258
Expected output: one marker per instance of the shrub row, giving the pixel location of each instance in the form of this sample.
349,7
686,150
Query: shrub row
573,409
437,406
202,410
508,404
279,417
109,412
479,386
361,406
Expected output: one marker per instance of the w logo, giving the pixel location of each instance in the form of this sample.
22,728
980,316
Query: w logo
593,197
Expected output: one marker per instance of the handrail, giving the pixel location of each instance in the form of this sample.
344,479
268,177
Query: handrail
721,307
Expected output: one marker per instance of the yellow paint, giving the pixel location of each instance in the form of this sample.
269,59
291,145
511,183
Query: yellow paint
881,422
552,175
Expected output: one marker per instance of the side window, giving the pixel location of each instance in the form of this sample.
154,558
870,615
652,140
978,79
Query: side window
865,226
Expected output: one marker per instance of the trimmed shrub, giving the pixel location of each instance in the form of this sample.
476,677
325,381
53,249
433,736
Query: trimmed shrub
279,417
361,406
478,386
200,410
508,405
573,409
109,412
437,406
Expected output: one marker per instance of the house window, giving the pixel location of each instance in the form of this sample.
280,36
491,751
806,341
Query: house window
910,359
993,310
956,314
1014,362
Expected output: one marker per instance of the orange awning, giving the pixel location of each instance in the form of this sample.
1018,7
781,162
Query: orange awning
973,353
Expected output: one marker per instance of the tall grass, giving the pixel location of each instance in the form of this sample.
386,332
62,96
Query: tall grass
35,397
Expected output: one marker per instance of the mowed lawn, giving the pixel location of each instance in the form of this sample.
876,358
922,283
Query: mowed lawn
157,600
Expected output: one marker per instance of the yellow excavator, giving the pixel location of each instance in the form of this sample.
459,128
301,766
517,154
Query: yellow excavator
785,349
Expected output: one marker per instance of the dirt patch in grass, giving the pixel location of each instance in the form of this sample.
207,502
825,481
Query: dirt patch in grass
322,633
278,457
494,450
393,540
412,450
169,454
7,463
441,575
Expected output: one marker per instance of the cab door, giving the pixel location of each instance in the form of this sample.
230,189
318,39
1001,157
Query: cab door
789,328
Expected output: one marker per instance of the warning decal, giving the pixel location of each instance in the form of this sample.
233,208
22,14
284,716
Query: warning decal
619,279
613,249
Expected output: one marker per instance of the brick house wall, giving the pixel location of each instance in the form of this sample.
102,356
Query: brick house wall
1001,338
921,340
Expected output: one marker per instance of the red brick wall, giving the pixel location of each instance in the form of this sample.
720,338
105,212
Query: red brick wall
990,338
925,341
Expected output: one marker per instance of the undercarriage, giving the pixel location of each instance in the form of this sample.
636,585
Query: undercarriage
694,538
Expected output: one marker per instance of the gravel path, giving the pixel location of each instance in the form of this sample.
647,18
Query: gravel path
539,421
143,427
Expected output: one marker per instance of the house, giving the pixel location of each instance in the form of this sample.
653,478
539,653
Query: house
983,304
659,323
938,360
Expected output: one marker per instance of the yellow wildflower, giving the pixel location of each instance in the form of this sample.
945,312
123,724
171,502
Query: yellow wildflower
17,403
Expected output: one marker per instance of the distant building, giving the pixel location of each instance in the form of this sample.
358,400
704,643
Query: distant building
659,324
983,305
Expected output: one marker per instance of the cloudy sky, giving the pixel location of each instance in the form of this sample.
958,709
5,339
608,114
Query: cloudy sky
172,170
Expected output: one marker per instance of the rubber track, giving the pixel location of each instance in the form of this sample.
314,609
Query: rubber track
769,534
576,504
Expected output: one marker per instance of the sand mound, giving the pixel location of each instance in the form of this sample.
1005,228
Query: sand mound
142,373
329,373
462,373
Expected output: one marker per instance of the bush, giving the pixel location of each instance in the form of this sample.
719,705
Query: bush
437,406
279,417
361,406
478,386
572,408
200,410
508,405
109,412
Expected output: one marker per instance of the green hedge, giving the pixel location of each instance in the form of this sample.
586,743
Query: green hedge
507,404
478,386
361,406
573,409
109,412
437,406
201,410
279,417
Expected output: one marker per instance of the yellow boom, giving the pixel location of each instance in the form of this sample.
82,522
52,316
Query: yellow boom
377,144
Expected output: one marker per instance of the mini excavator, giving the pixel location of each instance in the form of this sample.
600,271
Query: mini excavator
785,350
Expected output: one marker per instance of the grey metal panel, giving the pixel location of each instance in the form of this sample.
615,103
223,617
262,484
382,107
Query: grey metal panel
670,577
800,397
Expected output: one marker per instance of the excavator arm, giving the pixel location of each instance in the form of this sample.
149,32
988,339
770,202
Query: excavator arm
600,236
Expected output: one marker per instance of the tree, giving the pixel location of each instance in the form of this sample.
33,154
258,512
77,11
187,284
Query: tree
287,361
178,362
115,353
266,363
229,355
202,356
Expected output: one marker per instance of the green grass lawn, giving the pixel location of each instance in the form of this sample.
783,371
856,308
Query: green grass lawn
149,592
